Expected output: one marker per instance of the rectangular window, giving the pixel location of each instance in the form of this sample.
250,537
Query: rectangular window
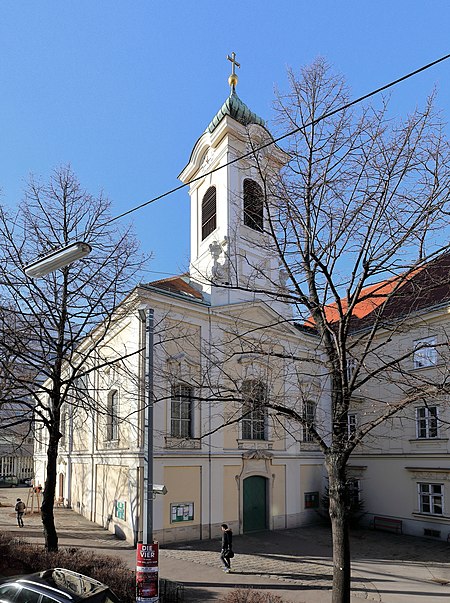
309,416
112,417
181,412
254,411
351,423
7,465
431,498
425,353
427,422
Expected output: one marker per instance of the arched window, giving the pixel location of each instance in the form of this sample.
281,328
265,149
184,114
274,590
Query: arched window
112,417
209,212
253,205
254,411
181,423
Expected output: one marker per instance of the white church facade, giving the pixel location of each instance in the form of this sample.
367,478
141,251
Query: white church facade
220,456
219,346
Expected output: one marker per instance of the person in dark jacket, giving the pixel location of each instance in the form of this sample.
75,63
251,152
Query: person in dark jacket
20,510
227,547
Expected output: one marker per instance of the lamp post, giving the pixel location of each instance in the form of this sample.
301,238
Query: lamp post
147,318
57,259
147,580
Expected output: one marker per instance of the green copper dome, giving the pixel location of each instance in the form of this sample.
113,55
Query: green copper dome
236,109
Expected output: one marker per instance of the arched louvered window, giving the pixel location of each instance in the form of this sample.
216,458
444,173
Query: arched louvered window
209,212
253,205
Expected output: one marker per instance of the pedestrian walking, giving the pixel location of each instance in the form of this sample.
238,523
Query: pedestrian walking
20,510
227,548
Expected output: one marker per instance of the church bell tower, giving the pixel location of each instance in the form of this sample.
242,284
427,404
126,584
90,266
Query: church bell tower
231,258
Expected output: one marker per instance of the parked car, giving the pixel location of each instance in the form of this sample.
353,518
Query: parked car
56,585
9,481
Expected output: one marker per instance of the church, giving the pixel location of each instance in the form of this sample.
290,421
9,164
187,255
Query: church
218,453
207,348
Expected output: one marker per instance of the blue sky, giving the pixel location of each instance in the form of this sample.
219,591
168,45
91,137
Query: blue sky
122,89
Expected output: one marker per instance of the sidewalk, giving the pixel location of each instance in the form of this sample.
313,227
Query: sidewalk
295,564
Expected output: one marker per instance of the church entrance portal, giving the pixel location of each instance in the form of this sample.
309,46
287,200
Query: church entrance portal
255,503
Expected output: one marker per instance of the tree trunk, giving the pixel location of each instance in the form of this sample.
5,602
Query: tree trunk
48,500
339,528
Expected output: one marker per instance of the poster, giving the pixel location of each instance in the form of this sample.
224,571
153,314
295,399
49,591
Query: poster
147,574
181,512
121,509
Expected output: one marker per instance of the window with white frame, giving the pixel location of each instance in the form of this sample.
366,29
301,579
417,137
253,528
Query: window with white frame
181,415
351,423
309,416
112,416
254,412
431,498
427,422
425,353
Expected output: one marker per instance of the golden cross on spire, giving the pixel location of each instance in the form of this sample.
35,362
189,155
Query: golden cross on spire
233,79
233,61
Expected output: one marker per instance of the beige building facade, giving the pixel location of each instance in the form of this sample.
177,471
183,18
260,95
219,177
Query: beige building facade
252,474
220,346
403,467
219,454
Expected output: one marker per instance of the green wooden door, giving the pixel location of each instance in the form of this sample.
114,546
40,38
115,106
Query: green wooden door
255,503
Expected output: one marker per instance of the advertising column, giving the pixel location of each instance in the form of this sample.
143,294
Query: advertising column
147,579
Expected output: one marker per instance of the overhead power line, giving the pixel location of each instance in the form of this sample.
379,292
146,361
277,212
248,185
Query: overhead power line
280,138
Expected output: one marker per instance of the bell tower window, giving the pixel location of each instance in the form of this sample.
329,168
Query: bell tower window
253,205
209,212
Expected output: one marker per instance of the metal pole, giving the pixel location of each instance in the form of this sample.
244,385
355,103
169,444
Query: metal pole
148,507
147,570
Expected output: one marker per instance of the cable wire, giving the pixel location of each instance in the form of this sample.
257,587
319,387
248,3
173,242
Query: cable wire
279,138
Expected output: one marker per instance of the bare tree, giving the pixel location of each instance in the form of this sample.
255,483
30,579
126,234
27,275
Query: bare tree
362,200
47,322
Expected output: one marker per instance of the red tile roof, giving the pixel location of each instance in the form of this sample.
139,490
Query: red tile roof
421,289
177,284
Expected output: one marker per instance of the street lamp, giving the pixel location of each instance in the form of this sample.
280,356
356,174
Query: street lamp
58,259
146,315
147,579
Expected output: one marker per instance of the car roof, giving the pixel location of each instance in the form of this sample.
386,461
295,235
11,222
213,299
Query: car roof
63,584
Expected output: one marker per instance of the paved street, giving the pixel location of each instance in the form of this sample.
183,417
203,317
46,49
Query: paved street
296,563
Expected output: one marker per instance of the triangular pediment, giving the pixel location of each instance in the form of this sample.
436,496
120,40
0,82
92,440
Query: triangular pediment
260,314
